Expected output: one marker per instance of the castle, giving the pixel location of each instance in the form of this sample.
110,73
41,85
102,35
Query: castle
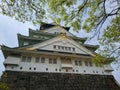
52,58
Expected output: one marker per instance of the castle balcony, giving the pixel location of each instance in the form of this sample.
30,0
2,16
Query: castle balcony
66,65
107,68
12,61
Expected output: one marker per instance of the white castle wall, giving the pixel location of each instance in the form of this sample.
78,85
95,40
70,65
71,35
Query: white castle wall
46,67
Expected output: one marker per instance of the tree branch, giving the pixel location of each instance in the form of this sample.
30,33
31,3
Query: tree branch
114,51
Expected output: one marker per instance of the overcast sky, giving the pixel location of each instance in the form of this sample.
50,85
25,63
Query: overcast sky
9,28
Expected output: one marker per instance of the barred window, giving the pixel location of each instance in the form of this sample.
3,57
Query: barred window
50,60
28,59
54,46
42,60
90,63
73,49
54,61
78,63
37,59
86,63
63,48
23,59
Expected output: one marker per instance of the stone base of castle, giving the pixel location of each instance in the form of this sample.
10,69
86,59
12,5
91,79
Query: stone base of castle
58,81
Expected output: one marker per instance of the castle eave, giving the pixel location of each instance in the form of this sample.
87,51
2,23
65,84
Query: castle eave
8,51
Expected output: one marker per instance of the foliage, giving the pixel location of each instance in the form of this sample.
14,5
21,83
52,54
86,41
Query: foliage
89,15
3,86
101,60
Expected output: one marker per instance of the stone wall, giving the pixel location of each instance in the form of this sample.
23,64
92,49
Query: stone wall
58,81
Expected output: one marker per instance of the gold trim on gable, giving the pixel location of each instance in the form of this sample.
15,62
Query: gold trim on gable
29,49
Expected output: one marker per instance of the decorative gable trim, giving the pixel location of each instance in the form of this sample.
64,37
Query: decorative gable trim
60,38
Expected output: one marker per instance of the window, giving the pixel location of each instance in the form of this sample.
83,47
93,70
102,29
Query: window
23,59
73,49
54,46
46,69
59,69
62,47
86,63
50,60
90,63
76,70
25,43
73,70
69,48
12,67
37,59
28,59
42,60
54,61
34,68
58,47
57,33
20,68
78,63
29,68
65,48
56,69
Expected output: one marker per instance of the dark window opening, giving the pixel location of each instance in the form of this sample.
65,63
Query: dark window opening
30,68
34,68
56,69
76,70
73,49
54,46
20,68
12,67
46,69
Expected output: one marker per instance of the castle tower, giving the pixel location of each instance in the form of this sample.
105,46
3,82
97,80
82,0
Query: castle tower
54,59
